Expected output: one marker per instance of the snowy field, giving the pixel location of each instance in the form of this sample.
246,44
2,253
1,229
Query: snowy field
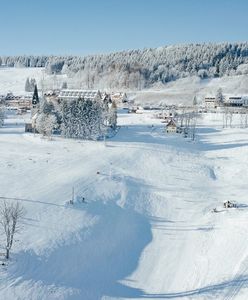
13,79
146,230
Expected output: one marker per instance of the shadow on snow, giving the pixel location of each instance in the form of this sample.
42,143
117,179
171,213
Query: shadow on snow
97,259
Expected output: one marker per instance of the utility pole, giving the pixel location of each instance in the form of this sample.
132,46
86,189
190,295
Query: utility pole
73,195
34,125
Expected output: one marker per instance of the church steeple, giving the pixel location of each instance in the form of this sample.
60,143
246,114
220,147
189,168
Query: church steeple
35,99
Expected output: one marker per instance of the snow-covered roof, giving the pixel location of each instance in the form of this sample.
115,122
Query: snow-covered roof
51,93
76,94
210,98
172,123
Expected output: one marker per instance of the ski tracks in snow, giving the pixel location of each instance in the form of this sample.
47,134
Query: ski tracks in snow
239,281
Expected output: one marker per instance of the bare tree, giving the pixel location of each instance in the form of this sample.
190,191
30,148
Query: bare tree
246,119
10,214
227,117
193,126
2,114
230,118
188,123
243,118
181,117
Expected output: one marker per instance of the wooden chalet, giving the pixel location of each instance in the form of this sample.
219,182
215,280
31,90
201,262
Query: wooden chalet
172,127
119,97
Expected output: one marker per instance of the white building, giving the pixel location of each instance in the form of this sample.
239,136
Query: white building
245,101
210,102
76,94
228,100
233,101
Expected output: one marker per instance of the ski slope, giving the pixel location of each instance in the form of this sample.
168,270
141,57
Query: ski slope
146,230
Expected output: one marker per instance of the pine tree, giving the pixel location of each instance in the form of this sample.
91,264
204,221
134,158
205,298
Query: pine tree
2,114
46,107
194,101
113,116
64,85
83,119
219,96
27,85
32,84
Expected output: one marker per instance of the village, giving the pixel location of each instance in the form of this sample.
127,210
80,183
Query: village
177,119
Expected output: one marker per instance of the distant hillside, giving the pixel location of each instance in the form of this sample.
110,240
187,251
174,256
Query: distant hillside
138,69
183,91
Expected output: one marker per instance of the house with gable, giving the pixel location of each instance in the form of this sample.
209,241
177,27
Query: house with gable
172,127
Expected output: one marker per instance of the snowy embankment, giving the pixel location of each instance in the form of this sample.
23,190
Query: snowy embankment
146,230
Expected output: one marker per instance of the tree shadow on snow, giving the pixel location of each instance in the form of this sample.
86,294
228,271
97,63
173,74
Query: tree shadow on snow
97,259
202,138
140,134
223,146
206,130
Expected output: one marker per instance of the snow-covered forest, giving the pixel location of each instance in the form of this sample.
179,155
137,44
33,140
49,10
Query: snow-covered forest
138,69
82,118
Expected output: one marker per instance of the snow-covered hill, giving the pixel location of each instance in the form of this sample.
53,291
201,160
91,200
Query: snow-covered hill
181,91
13,79
146,230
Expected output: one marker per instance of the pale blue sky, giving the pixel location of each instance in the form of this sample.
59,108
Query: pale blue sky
101,26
